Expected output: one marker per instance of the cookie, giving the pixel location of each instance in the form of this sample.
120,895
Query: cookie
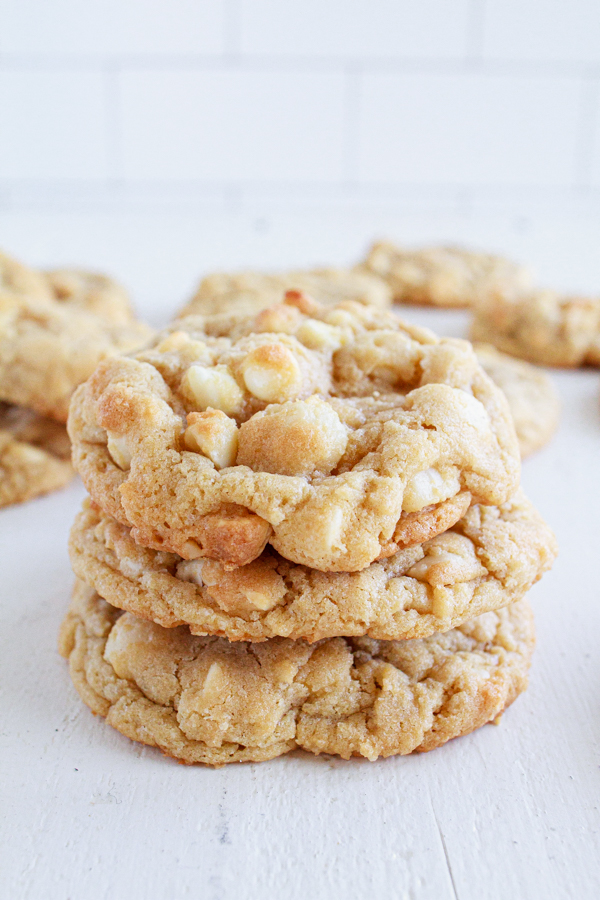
439,276
532,397
92,292
489,559
338,435
16,278
542,326
35,455
46,350
249,292
204,700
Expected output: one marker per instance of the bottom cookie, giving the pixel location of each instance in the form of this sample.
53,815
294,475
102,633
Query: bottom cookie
35,455
205,700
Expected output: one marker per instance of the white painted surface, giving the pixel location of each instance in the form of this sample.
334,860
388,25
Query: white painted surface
509,812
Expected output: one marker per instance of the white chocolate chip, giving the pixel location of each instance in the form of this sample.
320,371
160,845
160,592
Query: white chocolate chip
174,341
429,487
214,387
214,684
264,600
272,374
213,434
474,411
119,451
333,530
191,570
319,336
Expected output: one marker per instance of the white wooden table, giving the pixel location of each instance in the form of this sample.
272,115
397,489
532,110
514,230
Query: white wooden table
508,812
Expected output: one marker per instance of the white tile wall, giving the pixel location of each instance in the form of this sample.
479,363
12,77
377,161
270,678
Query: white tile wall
349,98
53,125
355,29
96,28
542,30
467,129
238,125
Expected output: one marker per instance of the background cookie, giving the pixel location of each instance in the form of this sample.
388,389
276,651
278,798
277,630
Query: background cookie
35,455
92,292
249,292
338,434
46,350
204,700
542,326
17,278
439,276
533,399
487,560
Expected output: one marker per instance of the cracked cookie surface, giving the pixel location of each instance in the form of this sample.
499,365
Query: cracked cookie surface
249,292
338,435
204,700
533,399
35,455
440,276
542,326
488,560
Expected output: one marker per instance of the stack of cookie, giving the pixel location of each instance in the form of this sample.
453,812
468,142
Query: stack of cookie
54,329
304,530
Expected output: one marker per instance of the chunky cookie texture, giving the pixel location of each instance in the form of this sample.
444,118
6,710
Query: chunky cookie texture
204,700
542,326
338,435
487,560
533,399
35,455
440,276
47,349
92,292
249,292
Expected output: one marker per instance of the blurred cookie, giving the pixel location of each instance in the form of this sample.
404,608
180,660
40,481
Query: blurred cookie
533,399
440,276
249,292
47,349
542,326
35,455
205,700
92,292
16,278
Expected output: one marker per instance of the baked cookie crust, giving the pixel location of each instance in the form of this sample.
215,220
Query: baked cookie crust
338,435
488,560
249,292
440,276
533,399
204,700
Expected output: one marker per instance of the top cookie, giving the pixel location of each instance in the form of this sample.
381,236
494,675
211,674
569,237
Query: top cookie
540,325
46,350
533,399
440,276
249,292
339,435
92,292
